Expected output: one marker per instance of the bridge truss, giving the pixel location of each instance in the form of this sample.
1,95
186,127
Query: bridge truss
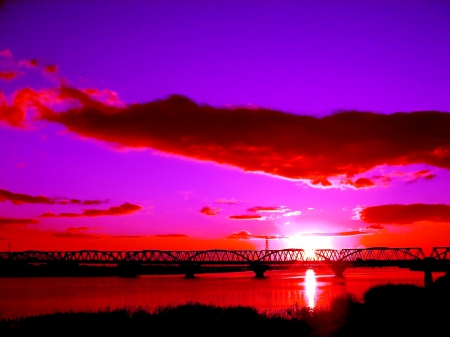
284,257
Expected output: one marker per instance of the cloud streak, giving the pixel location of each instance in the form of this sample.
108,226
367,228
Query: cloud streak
247,217
231,201
20,198
269,209
338,234
405,214
17,221
175,235
8,74
246,235
126,208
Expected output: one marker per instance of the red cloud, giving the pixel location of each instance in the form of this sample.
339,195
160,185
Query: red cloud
15,221
48,215
247,217
170,235
377,227
266,209
246,235
207,210
19,198
76,233
5,53
228,201
33,63
335,149
8,75
361,182
51,69
242,235
123,209
405,214
298,147
79,233
346,233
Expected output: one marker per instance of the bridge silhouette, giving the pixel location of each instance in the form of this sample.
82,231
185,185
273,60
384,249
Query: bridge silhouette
190,263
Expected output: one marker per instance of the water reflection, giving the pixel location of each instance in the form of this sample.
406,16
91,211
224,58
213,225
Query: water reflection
278,290
310,287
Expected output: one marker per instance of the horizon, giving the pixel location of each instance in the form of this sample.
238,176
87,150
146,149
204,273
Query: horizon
198,126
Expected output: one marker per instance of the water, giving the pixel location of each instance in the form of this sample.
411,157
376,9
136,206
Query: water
278,290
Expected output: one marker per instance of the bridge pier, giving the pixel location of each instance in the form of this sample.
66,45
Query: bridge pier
189,270
338,268
428,278
427,269
259,269
128,268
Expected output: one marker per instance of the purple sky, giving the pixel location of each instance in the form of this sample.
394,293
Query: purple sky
191,177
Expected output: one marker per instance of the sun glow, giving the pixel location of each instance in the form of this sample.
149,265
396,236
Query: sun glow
309,242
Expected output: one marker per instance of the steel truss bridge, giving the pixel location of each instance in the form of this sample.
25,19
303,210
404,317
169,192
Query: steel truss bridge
259,261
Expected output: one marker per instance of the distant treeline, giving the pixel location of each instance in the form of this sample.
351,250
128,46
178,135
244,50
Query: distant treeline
385,310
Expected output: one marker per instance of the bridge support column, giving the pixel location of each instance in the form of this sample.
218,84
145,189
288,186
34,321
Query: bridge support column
428,264
338,268
189,270
428,278
259,269
128,268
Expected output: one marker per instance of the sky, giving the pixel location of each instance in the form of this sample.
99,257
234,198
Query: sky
195,125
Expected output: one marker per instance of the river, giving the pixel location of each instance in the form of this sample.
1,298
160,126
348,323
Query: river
277,290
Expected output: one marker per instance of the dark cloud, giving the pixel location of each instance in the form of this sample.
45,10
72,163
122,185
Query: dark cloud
376,227
266,209
247,217
335,150
19,198
207,210
17,221
405,214
80,233
170,235
126,208
77,235
246,235
132,237
361,182
344,144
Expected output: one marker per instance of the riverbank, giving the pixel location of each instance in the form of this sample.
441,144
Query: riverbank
386,310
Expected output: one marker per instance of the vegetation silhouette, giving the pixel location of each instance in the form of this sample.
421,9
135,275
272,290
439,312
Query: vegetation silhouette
384,310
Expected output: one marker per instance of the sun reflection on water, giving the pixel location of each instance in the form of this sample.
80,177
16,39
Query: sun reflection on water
310,287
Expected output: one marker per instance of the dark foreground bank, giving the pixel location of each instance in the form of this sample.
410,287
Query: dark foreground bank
386,310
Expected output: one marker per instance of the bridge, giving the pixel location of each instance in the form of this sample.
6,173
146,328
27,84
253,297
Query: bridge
190,263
